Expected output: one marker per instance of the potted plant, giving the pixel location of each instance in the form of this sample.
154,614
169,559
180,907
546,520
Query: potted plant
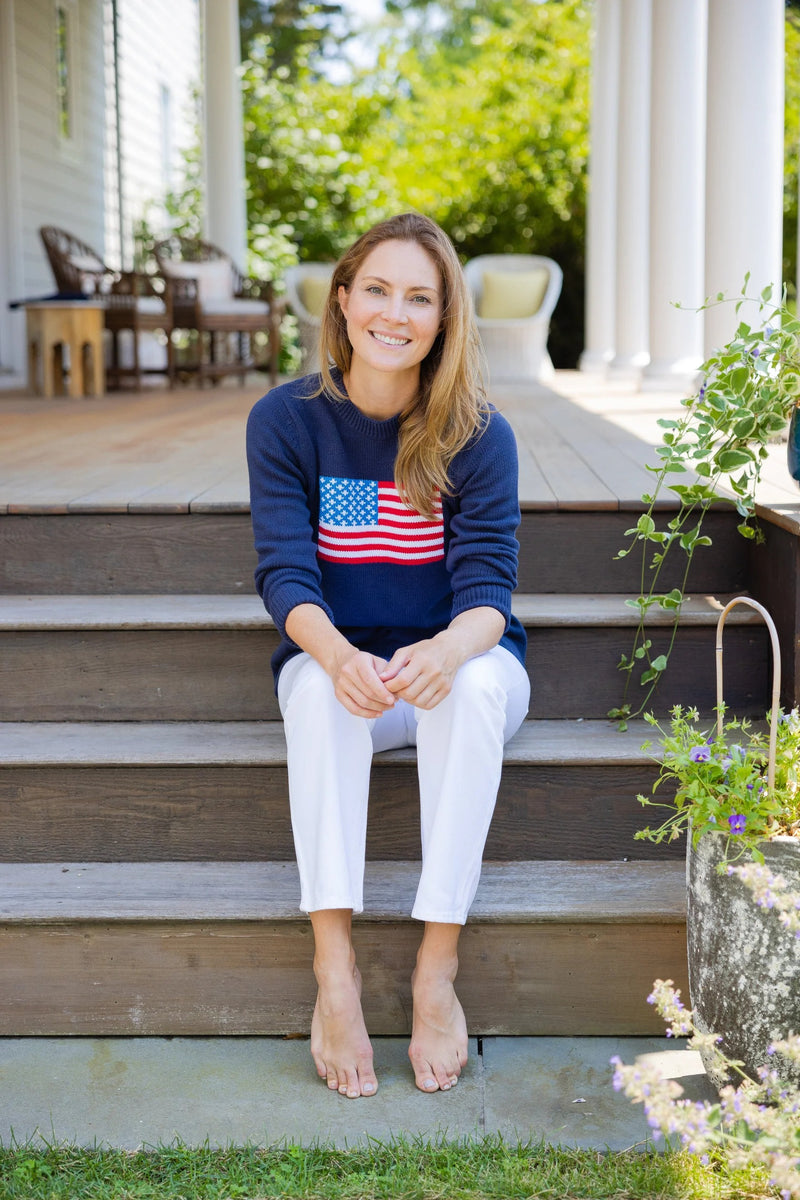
737,797
750,391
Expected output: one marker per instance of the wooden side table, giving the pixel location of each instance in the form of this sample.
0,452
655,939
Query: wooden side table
54,324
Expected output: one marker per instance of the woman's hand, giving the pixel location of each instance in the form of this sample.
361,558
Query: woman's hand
423,673
355,673
357,681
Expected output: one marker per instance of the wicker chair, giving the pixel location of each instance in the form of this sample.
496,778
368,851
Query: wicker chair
514,297
306,288
224,309
132,302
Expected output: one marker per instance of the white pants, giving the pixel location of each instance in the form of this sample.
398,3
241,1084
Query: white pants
459,759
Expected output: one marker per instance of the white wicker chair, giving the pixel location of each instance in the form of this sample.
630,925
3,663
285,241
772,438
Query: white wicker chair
516,347
308,322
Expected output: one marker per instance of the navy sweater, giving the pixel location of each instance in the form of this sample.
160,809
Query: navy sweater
330,529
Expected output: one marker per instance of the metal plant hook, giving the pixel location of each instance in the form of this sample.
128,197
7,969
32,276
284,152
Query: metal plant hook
776,677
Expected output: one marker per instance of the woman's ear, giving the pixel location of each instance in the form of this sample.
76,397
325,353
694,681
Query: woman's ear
343,298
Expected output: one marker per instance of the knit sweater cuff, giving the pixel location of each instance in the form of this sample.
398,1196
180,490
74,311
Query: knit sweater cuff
289,596
487,595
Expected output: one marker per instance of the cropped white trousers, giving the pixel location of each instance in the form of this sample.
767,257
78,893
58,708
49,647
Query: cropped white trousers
459,759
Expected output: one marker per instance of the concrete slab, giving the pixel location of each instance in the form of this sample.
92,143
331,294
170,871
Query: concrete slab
559,1089
131,1092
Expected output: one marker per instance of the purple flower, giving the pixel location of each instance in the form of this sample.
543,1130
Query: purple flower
700,754
737,822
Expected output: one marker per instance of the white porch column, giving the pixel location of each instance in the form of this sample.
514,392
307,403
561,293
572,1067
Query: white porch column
677,188
633,156
744,160
226,215
601,213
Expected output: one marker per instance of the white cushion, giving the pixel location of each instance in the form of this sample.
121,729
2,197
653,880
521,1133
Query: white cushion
512,295
229,308
86,262
149,304
214,278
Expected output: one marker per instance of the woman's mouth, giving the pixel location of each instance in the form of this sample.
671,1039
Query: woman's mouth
388,340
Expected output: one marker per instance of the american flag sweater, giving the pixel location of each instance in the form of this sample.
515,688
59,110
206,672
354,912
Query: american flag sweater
330,528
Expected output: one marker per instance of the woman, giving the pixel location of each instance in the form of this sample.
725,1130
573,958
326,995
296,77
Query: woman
384,503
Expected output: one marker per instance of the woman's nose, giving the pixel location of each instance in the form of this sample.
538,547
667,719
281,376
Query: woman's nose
394,309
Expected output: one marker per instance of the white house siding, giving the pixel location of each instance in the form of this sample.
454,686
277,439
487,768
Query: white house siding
47,180
74,183
159,58
61,182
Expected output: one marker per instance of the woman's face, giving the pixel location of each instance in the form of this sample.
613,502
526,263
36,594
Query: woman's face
394,307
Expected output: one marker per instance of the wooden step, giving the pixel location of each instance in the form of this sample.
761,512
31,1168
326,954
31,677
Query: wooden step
206,658
205,791
210,948
212,551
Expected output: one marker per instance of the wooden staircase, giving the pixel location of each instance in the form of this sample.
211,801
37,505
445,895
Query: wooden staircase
147,883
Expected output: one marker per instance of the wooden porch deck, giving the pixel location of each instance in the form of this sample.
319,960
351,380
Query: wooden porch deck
582,445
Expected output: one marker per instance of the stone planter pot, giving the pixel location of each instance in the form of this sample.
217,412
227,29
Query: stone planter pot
744,966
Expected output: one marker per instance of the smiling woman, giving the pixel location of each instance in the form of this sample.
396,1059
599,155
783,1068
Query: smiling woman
393,313
384,503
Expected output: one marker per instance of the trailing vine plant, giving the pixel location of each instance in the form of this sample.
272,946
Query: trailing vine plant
749,389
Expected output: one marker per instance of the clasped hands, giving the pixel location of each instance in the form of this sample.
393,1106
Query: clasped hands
421,674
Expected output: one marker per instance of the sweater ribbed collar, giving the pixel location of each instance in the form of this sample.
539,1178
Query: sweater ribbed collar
368,426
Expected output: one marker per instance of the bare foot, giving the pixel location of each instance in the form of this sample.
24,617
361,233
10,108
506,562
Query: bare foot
340,1044
438,1048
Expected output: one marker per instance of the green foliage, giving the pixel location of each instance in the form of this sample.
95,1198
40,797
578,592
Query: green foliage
750,1127
297,29
750,388
414,1169
484,128
721,781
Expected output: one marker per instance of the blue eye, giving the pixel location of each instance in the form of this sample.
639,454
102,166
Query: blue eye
422,299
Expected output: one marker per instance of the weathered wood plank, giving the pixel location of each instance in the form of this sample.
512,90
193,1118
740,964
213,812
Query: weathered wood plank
246,612
221,948
262,744
225,674
509,892
126,552
189,813
210,552
255,978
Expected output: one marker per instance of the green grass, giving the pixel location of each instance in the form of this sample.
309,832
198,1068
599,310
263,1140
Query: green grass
413,1169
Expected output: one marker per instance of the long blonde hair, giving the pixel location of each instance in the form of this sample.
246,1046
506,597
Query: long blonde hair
450,407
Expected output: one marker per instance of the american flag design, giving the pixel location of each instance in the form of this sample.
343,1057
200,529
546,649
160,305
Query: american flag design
365,520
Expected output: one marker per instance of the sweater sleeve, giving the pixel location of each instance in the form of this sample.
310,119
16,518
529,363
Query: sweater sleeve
483,551
281,461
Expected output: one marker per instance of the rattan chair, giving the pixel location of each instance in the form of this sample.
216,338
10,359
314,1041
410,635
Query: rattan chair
133,303
527,286
307,285
223,310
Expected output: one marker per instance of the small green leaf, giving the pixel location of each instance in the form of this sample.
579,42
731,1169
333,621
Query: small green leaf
745,426
729,460
660,663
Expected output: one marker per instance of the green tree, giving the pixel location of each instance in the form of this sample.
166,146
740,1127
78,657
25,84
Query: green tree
490,137
484,127
298,30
